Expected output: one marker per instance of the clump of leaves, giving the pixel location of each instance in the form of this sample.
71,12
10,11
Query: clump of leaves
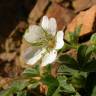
74,75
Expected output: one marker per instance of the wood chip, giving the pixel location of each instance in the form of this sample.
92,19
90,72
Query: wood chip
80,5
86,18
37,11
62,15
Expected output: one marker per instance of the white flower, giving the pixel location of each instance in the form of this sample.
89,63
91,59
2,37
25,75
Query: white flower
47,40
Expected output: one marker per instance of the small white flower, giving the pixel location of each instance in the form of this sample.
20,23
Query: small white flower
47,40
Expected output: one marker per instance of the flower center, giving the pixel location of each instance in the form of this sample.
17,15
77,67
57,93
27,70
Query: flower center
51,43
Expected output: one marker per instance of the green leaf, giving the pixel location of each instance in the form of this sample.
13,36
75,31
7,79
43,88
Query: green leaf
6,93
34,85
65,70
78,30
31,72
22,93
52,84
91,48
84,58
18,85
93,39
15,87
90,66
77,94
78,81
69,61
64,86
47,70
57,92
94,91
91,84
73,37
81,55
66,46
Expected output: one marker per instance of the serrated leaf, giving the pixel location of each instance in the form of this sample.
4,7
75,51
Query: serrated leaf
18,85
22,93
78,81
64,86
31,72
78,30
15,87
73,37
33,85
94,91
81,55
6,93
90,66
52,84
69,61
47,70
93,39
84,58
65,70
90,49
77,94
57,92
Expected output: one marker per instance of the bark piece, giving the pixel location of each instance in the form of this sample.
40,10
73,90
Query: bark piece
62,15
83,4
86,18
37,11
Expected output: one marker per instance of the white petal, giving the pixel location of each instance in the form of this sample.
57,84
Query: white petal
33,33
49,58
52,26
31,56
59,40
45,22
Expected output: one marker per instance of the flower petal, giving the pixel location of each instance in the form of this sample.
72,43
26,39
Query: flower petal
33,33
31,56
49,58
59,40
52,26
45,22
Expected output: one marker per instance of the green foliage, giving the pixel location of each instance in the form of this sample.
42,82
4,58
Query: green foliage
47,70
22,93
94,92
90,66
74,74
64,85
52,84
68,61
32,72
6,93
85,60
73,37
81,55
16,86
93,39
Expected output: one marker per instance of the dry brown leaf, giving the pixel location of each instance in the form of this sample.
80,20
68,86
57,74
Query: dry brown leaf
57,1
86,18
23,48
80,5
54,69
37,11
4,82
62,15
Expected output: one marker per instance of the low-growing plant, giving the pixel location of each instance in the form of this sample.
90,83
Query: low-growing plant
70,76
